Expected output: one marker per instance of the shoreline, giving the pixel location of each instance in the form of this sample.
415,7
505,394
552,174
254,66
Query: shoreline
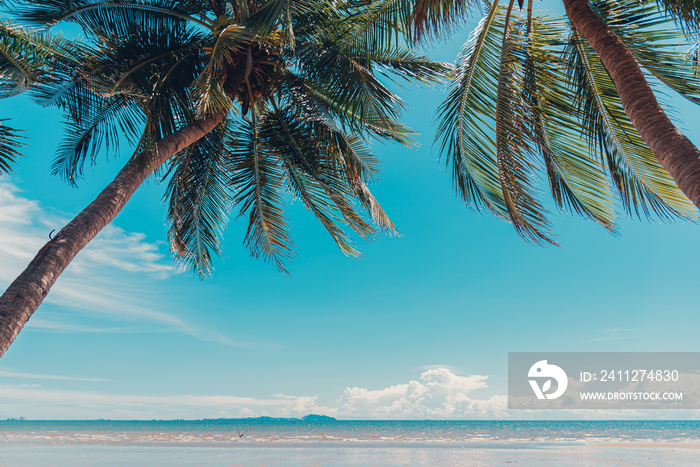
620,454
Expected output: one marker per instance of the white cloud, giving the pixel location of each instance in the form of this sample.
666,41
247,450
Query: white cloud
42,324
16,374
128,401
300,406
126,251
438,394
45,403
110,277
25,227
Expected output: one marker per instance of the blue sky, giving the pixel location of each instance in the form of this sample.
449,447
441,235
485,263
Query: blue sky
419,327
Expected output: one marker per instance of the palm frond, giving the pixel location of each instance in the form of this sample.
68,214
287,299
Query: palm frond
374,24
438,18
280,16
102,127
258,179
406,64
198,197
110,18
154,69
466,122
686,12
10,143
315,176
320,100
515,170
71,93
577,180
349,151
644,186
29,57
352,89
315,198
358,164
139,63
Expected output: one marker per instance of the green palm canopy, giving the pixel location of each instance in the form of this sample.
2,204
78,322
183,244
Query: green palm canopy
532,101
298,82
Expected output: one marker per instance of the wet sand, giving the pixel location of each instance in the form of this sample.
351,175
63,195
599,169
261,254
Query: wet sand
617,454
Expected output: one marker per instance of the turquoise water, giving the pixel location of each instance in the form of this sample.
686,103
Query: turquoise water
215,433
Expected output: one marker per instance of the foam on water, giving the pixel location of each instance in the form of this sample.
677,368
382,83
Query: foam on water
291,432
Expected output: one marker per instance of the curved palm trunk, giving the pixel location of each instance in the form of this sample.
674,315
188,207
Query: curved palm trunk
27,292
672,149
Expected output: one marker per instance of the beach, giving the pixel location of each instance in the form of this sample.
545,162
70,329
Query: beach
347,443
629,454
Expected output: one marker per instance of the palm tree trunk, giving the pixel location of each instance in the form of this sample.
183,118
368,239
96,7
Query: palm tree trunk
27,292
672,149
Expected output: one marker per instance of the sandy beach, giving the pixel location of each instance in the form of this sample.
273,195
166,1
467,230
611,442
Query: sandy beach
269,442
622,454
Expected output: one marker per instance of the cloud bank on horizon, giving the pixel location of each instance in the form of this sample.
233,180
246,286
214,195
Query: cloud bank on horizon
437,394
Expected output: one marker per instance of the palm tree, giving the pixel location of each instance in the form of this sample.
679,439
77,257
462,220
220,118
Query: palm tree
534,94
672,149
234,103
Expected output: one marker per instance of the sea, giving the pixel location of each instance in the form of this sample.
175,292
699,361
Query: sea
274,442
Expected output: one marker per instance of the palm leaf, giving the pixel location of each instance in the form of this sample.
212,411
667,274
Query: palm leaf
28,57
316,197
198,197
257,179
409,66
515,171
577,180
315,176
466,121
109,18
438,18
644,186
374,24
281,15
352,89
358,165
348,152
154,69
687,12
10,143
321,100
101,127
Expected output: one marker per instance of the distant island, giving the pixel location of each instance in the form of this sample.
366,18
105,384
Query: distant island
307,418
318,418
